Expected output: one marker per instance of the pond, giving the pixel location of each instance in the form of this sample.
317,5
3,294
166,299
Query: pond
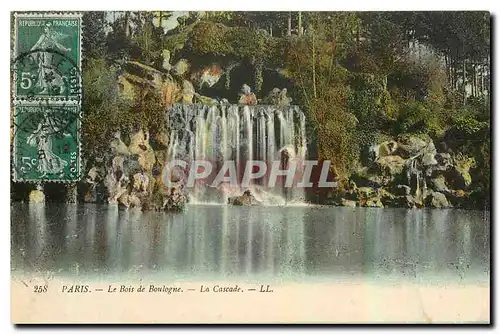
229,242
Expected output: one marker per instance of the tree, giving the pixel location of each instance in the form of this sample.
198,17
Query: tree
322,83
94,35
147,39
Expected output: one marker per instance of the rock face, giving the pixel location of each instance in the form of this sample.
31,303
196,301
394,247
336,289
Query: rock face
131,176
208,76
246,199
410,146
167,198
141,149
390,165
409,172
130,173
137,76
439,184
437,200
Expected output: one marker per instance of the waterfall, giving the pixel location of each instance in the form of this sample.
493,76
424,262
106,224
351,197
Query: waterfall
239,133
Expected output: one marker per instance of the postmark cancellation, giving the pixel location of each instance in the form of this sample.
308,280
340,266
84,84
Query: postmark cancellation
47,56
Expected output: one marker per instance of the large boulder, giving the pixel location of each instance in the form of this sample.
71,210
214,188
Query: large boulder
129,201
165,198
444,163
367,177
402,190
460,176
439,184
246,199
429,159
382,173
391,165
175,200
437,200
409,146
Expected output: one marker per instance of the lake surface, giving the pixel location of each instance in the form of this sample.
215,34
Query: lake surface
227,242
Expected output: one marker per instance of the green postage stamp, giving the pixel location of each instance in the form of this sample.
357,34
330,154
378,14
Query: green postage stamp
46,143
47,56
47,90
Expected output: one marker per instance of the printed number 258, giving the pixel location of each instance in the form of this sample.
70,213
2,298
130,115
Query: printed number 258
40,288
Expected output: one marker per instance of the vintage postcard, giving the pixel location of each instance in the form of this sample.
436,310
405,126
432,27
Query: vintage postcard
218,167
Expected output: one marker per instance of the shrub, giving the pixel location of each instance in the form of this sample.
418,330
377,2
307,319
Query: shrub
417,117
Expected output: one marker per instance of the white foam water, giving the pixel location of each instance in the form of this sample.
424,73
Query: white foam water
240,133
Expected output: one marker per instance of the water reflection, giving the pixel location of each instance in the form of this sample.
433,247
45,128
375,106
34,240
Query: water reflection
226,241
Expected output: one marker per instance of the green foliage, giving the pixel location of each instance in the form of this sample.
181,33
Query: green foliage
324,92
146,41
424,79
102,105
468,125
370,101
420,118
106,111
94,35
216,39
352,73
210,38
466,34
386,42
149,113
119,45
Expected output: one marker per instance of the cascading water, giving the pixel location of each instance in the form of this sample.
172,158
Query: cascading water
239,133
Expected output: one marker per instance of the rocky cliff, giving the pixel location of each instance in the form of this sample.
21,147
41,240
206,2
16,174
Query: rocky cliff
410,172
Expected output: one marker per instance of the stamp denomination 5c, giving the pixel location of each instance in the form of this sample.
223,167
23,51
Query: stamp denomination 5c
47,59
46,143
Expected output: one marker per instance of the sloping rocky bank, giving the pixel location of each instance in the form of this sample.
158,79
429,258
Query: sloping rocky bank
411,172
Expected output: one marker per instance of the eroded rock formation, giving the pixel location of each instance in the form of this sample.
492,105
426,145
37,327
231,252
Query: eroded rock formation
410,172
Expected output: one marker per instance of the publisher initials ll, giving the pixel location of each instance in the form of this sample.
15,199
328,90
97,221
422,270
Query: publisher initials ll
266,289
